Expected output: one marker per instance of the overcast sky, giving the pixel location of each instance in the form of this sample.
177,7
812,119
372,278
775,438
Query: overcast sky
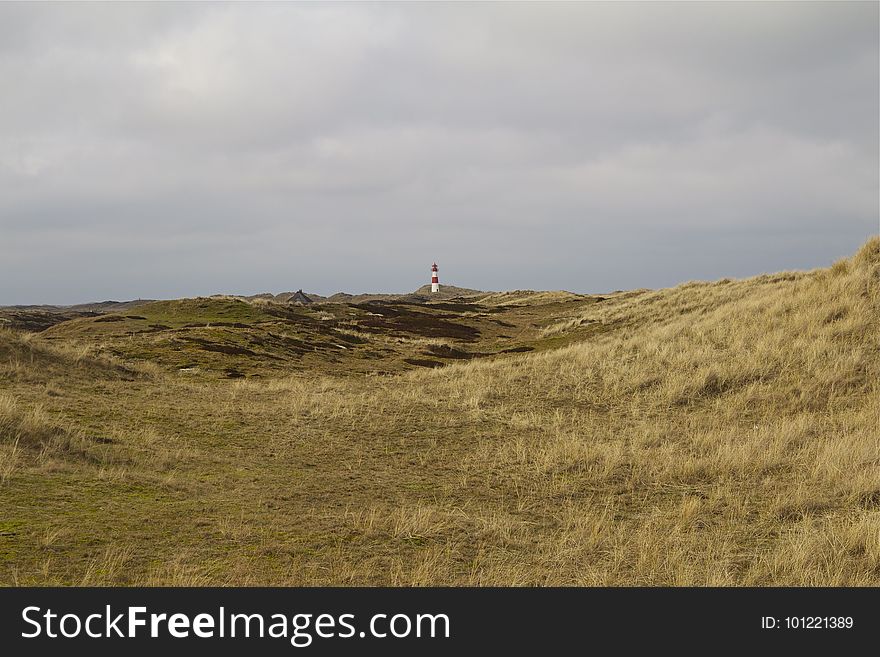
165,150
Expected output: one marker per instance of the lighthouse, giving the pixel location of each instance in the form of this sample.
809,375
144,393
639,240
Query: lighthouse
435,282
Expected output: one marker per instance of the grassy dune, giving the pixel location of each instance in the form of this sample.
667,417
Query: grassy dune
721,433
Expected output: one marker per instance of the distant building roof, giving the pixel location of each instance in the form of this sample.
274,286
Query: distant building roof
299,297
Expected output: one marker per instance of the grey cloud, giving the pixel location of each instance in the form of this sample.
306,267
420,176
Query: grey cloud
168,149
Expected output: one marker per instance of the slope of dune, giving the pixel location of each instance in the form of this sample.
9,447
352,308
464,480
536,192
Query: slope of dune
717,433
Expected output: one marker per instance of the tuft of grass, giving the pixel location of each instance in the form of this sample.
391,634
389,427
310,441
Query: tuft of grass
9,460
32,428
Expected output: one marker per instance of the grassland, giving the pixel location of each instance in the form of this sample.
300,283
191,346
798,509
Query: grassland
719,433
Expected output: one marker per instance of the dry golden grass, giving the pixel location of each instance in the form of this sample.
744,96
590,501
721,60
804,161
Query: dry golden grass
711,434
526,297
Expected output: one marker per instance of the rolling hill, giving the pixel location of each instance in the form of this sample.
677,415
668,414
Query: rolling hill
715,433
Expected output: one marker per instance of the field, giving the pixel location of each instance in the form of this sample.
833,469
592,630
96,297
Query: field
723,433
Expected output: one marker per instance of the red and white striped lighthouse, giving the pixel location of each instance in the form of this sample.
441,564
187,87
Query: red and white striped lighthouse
435,282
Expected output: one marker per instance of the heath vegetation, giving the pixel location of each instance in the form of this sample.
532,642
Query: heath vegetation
719,433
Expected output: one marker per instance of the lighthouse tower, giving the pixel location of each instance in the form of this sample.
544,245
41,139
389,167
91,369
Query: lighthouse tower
435,282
